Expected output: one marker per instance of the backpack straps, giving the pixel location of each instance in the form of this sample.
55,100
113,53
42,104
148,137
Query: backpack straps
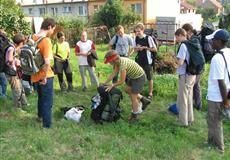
38,40
221,52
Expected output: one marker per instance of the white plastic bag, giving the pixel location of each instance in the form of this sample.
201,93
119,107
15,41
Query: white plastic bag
74,114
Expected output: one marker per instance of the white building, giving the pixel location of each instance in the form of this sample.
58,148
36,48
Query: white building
36,8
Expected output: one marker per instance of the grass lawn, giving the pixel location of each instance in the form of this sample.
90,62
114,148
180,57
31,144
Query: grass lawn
155,136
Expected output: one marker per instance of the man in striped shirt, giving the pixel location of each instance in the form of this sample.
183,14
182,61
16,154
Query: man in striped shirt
136,79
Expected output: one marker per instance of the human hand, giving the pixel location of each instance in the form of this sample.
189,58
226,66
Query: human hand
43,82
109,88
226,104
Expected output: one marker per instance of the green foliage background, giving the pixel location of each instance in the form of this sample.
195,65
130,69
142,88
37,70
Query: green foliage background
12,18
156,136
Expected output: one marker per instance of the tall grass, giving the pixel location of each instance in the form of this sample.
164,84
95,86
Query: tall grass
155,136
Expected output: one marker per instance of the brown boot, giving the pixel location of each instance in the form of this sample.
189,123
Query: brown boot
133,118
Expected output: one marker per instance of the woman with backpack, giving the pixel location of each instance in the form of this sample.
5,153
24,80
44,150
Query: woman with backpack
61,52
136,79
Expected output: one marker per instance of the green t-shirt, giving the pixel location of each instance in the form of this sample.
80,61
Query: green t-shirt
61,49
133,70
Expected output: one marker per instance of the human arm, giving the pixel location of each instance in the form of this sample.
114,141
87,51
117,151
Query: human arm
181,55
224,93
78,51
112,75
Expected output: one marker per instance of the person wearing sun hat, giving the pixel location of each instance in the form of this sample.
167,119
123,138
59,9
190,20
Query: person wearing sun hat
136,79
218,87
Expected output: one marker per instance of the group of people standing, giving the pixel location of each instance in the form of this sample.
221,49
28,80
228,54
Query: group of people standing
132,72
218,83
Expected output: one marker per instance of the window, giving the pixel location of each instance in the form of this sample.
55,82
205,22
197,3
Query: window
137,8
30,10
81,10
95,7
67,9
54,11
42,11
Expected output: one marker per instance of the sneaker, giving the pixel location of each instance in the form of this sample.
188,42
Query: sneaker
20,110
39,119
133,118
145,102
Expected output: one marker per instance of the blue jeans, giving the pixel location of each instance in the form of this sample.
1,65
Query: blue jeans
45,101
3,84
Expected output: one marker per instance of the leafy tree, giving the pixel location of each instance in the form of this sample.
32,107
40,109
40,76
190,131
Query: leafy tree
72,26
12,18
114,13
208,14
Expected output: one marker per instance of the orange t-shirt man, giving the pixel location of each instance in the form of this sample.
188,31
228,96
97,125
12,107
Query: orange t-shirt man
45,47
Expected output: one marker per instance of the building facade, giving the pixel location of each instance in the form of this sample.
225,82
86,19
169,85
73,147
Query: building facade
37,8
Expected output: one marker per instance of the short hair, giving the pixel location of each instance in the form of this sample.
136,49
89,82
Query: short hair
18,38
180,31
48,22
60,34
187,27
139,26
119,27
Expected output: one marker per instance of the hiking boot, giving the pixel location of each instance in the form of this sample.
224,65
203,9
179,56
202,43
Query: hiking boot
70,87
63,86
145,102
84,89
133,118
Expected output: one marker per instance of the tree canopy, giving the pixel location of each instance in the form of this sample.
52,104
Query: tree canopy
12,18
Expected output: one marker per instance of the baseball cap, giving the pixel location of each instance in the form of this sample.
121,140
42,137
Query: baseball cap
219,34
110,56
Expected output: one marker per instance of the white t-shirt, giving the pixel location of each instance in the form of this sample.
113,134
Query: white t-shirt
84,47
217,72
182,54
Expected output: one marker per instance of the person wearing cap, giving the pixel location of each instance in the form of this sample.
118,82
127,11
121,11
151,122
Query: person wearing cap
218,87
136,79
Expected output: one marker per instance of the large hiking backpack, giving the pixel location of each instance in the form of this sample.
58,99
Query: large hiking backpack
196,60
31,58
4,45
206,44
108,108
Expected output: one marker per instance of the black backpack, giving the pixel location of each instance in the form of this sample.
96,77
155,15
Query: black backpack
4,45
206,44
196,60
109,109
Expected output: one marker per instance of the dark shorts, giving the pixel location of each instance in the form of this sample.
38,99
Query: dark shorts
148,71
136,84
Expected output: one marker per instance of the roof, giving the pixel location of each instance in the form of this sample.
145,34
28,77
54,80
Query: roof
186,5
216,3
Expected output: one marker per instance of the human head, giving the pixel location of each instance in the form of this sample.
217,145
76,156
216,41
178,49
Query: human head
48,25
84,36
219,39
189,29
120,30
61,36
139,30
111,56
180,35
19,40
